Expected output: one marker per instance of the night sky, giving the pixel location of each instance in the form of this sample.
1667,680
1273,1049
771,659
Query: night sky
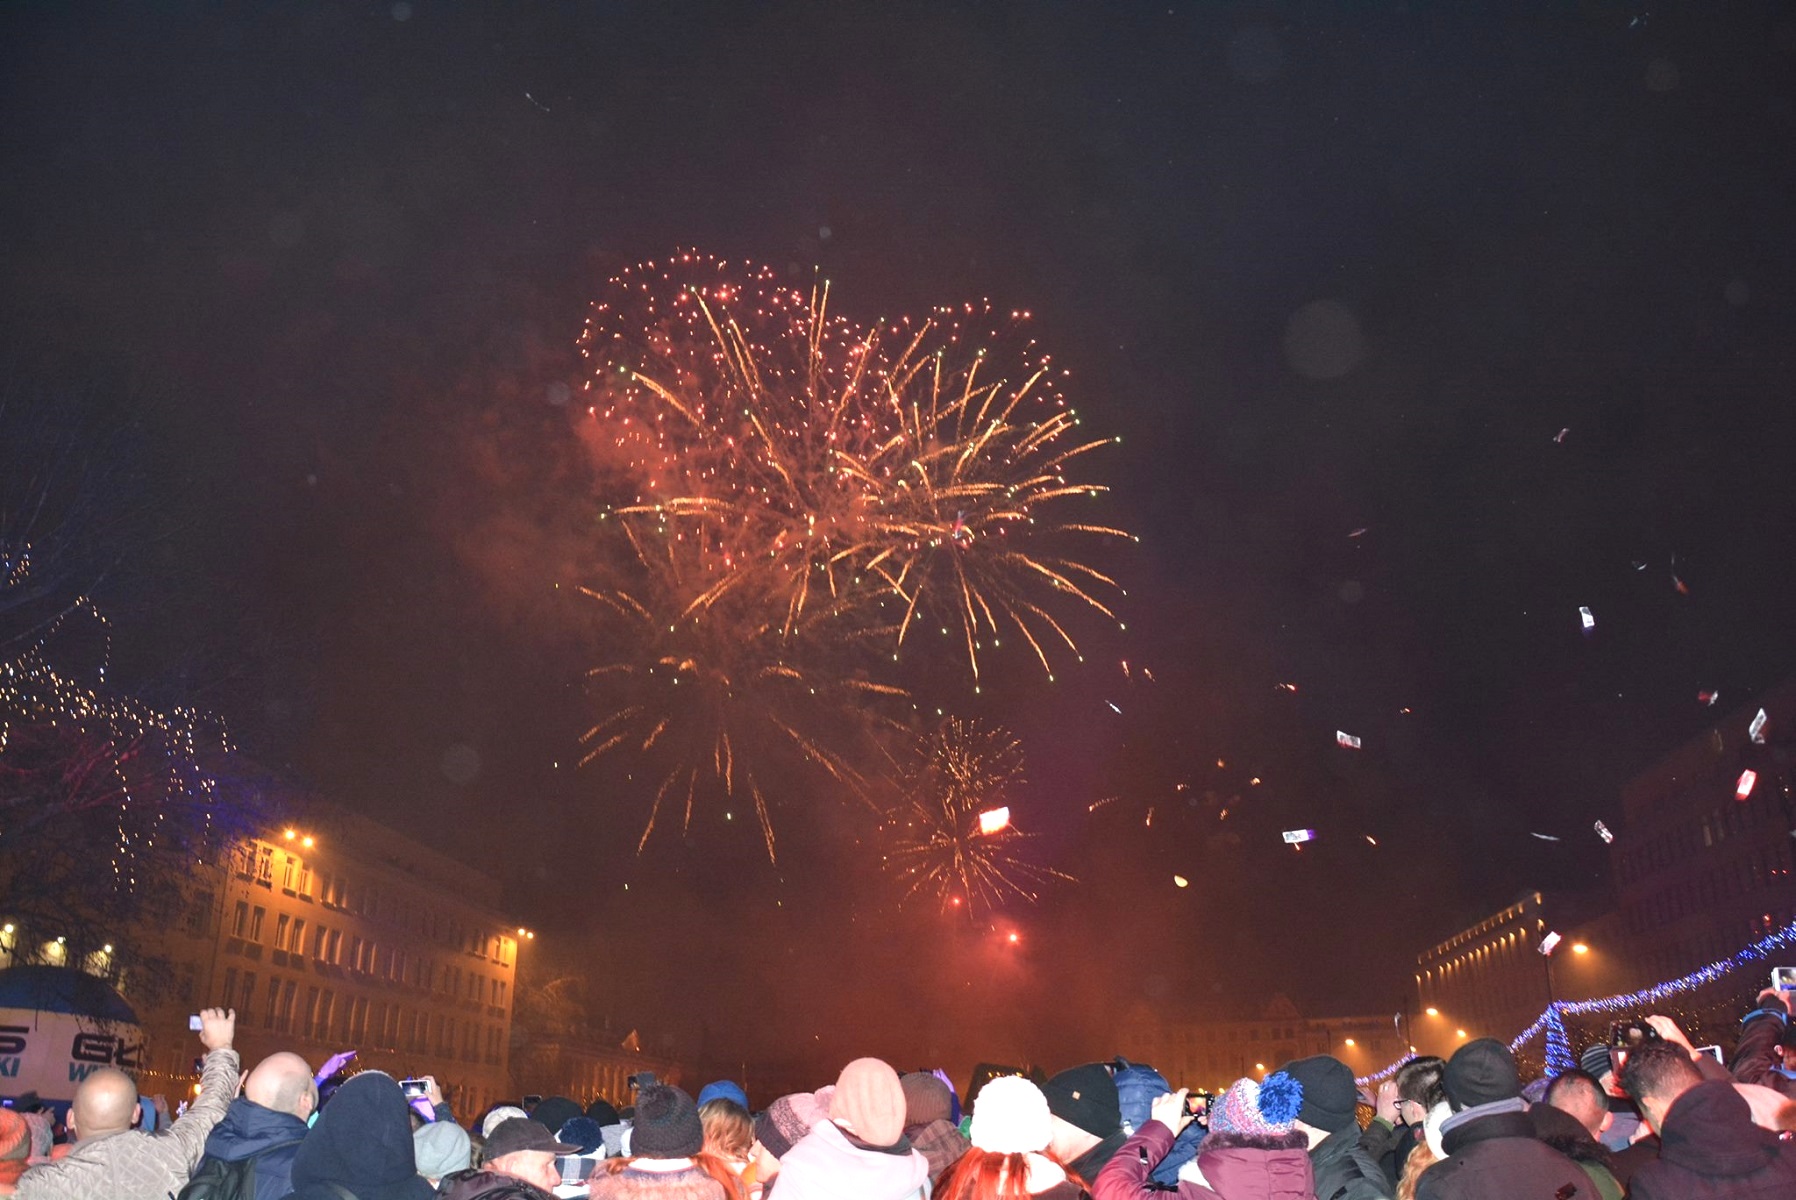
1324,269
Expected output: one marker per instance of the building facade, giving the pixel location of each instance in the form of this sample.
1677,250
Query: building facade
1204,1053
336,933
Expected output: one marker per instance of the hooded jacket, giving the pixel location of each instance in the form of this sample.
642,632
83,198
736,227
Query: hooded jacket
826,1165
1343,1171
1233,1168
361,1143
1709,1147
1494,1155
250,1130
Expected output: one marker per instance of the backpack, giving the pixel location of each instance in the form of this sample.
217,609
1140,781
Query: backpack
218,1179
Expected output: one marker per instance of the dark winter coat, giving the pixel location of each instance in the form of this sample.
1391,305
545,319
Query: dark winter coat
1088,1164
1389,1145
475,1185
248,1131
362,1143
1343,1172
1711,1148
1755,1057
1497,1157
1234,1167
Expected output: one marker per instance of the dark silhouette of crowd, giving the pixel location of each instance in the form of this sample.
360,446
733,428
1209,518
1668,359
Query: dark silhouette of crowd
1644,1116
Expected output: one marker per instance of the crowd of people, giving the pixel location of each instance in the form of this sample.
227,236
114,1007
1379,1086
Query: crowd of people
1649,1118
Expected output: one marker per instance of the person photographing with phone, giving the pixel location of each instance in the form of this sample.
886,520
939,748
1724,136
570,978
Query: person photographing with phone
1766,1051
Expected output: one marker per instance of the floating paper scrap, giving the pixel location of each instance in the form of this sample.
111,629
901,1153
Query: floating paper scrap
1743,788
1360,532
1756,730
1602,831
1113,707
1296,836
1559,437
1288,687
1709,698
1682,587
1584,616
1347,740
1370,840
1547,837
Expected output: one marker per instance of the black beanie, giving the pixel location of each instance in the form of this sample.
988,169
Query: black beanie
1481,1072
1328,1094
667,1124
1086,1097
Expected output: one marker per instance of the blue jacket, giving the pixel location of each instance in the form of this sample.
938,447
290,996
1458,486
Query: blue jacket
249,1129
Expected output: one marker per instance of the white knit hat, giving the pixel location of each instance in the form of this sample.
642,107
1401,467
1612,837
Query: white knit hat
1010,1116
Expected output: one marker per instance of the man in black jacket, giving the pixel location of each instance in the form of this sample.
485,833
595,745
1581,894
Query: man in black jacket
1763,1054
1492,1152
1709,1146
267,1123
1342,1171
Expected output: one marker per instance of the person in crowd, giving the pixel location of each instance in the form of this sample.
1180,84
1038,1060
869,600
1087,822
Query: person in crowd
1327,1120
1566,1134
1419,1160
1087,1118
1708,1145
440,1149
111,1160
1766,1051
519,1150
15,1149
722,1089
1402,1101
1582,1098
667,1154
1489,1142
1598,1062
578,1165
1007,1156
929,1122
266,1123
860,1150
729,1132
1770,1108
785,1123
361,1145
554,1112
1254,1150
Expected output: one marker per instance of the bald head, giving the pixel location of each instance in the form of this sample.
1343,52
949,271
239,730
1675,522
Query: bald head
1582,1097
106,1102
283,1082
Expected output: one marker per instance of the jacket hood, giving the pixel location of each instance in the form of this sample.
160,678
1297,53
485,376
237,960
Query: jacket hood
1709,1130
363,1141
1252,1174
824,1165
248,1129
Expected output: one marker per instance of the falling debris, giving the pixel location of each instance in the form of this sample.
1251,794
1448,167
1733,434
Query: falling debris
994,820
1180,881
1113,707
1294,837
1602,831
1639,566
1346,739
1682,587
1756,730
1547,837
1748,780
1585,616
1360,532
1370,840
1254,782
1709,698
1559,438
1288,687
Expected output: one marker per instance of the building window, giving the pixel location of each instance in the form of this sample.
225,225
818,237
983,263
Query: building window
319,933
230,988
335,952
297,943
305,882
246,998
288,991
255,923
281,924
265,866
274,1002
287,866
239,918
311,1018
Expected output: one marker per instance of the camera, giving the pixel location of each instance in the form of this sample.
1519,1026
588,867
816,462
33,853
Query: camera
1783,978
193,1022
1197,1103
1632,1034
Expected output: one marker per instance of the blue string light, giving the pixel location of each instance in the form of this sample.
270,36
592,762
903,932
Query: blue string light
1552,1021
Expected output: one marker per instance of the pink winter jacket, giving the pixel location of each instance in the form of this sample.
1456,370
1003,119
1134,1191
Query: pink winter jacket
1233,1171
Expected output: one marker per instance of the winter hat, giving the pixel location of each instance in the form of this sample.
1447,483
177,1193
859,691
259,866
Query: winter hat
787,1120
667,1124
1264,1109
361,1143
516,1134
1085,1097
15,1137
497,1114
1011,1117
1328,1094
583,1132
723,1089
1481,1072
554,1112
1596,1061
441,1148
870,1101
603,1112
926,1099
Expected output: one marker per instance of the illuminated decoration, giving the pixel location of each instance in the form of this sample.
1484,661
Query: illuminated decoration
791,499
936,845
994,820
1748,779
1346,740
1586,619
1551,1023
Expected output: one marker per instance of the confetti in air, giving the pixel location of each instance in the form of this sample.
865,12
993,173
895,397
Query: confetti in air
1709,698
1749,778
1756,730
1296,837
1346,740
1589,621
1547,837
1602,831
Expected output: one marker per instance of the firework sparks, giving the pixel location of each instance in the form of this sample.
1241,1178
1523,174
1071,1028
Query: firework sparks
900,471
938,845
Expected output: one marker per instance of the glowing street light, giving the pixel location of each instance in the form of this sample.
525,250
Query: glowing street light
308,841
1351,1042
1432,1011
1459,1032
1580,948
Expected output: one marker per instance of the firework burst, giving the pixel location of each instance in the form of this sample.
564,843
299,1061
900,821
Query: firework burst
906,469
948,838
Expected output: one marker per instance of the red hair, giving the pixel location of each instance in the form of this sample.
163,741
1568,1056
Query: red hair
983,1175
